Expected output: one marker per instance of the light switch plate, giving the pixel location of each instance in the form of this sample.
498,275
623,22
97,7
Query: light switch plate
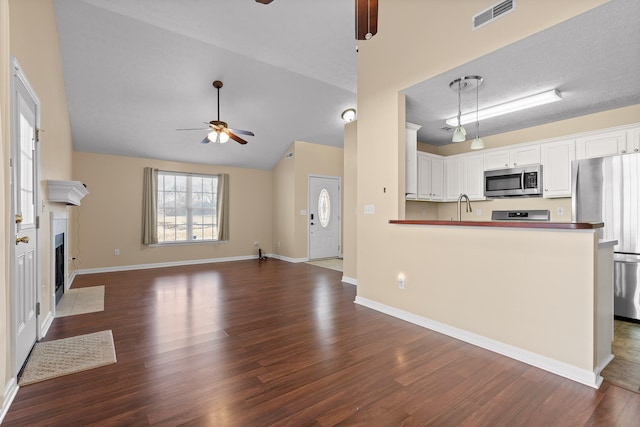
369,209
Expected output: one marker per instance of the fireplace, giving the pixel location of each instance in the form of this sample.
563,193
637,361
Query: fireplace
58,265
59,256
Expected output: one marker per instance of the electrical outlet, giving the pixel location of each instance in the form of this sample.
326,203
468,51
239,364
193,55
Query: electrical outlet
478,212
255,243
401,282
116,251
278,244
560,211
424,212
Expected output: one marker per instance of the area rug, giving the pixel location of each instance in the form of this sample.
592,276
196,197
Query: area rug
81,301
52,359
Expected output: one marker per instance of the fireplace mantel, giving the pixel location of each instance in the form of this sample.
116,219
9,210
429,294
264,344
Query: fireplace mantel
69,192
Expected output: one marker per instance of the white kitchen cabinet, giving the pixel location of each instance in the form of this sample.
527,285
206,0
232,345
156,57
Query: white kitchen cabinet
633,141
452,178
509,158
473,176
411,161
556,168
601,145
430,176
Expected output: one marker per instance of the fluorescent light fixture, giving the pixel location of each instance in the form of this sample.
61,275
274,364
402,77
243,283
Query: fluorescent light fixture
508,107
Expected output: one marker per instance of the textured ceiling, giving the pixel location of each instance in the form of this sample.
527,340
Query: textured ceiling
592,59
137,70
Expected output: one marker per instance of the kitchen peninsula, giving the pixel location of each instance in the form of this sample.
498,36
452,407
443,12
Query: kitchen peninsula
539,292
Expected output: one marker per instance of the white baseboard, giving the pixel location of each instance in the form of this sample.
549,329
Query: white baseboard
350,280
163,264
591,379
46,324
285,258
10,391
72,277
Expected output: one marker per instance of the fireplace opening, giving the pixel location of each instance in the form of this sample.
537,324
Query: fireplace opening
59,266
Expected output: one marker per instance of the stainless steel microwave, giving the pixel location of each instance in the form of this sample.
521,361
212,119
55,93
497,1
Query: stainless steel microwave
525,181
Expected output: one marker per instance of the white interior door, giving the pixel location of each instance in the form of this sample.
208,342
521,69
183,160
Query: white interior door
25,109
324,217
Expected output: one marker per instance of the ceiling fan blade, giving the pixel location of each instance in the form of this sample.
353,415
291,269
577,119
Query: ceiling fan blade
205,140
236,138
366,19
243,132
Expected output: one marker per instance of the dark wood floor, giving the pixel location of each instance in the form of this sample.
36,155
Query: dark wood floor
257,343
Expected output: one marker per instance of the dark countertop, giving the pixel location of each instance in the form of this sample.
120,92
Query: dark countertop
506,224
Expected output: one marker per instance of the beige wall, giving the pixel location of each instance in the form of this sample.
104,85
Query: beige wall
291,182
429,256
349,208
28,31
284,205
110,216
34,42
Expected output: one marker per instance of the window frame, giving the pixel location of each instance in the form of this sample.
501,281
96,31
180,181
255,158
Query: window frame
189,208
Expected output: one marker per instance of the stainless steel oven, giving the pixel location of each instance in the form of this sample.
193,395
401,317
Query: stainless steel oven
525,181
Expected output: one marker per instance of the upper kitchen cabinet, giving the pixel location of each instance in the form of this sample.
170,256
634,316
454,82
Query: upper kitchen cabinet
520,156
430,177
633,141
411,161
556,167
602,144
473,176
453,177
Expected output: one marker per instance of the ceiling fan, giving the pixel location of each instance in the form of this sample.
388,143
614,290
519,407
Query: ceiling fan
219,131
366,19
264,1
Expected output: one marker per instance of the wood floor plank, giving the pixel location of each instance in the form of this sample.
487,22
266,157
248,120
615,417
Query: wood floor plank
271,343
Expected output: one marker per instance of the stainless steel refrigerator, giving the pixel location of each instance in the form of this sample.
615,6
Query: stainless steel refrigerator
607,190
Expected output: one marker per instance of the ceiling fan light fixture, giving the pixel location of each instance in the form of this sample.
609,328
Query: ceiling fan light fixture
224,137
213,136
349,115
538,99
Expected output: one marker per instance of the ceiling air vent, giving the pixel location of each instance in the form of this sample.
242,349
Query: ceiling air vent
288,155
495,11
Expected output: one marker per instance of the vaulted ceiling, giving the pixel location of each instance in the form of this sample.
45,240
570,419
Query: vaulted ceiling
137,70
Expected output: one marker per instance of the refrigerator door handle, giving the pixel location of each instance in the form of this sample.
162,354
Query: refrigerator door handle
575,165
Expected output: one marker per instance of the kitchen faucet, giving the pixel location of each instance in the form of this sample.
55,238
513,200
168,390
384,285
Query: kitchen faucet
463,196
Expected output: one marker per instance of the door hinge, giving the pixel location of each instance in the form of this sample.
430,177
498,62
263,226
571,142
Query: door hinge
38,130
37,309
38,221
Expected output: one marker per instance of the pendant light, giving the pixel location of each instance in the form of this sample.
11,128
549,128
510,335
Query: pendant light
459,134
477,143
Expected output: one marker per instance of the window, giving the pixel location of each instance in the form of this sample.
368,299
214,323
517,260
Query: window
187,207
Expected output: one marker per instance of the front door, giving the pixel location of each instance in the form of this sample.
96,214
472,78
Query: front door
324,217
24,124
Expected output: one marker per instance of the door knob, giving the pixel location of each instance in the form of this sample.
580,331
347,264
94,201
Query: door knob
24,239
